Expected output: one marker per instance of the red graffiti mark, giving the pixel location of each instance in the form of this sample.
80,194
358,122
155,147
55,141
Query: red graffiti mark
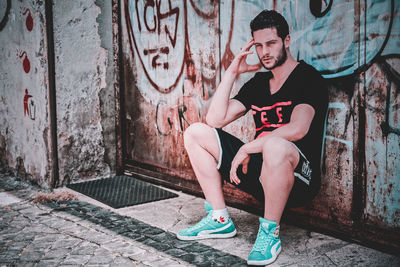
155,27
161,16
156,18
154,61
162,110
228,56
146,6
25,63
191,70
181,112
164,50
211,15
29,19
26,108
208,63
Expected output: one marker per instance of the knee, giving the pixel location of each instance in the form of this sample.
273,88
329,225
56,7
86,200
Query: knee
195,133
277,151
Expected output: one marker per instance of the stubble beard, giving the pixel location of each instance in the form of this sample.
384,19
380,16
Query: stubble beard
280,59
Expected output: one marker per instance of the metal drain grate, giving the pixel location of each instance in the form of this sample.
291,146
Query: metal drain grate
121,191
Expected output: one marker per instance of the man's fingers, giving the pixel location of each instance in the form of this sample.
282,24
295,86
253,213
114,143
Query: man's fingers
233,177
244,53
244,168
233,174
248,45
235,180
254,67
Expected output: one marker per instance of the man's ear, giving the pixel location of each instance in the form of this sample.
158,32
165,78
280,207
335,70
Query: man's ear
287,41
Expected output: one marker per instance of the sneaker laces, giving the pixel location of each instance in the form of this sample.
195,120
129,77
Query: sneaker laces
262,240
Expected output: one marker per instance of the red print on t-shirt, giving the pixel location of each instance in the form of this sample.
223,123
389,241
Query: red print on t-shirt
270,116
279,114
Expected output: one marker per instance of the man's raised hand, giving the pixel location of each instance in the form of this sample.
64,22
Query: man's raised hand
239,64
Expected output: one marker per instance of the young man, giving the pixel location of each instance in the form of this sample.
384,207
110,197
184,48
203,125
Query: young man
281,166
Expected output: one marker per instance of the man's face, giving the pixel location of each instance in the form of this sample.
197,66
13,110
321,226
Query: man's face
270,48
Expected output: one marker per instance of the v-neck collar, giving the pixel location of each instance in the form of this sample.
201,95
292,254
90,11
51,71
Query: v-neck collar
285,82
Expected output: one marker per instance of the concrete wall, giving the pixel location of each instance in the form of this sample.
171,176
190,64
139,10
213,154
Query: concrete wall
24,105
84,79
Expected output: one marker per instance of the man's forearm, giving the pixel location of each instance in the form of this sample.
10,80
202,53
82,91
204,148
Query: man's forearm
296,129
256,145
220,102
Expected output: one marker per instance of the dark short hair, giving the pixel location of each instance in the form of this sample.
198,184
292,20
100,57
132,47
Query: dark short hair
270,19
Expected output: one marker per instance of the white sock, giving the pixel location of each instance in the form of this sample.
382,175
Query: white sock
221,216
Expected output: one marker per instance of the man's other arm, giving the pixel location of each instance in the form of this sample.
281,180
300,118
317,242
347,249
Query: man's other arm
296,129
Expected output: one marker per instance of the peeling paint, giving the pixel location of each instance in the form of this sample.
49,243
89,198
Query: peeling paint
81,147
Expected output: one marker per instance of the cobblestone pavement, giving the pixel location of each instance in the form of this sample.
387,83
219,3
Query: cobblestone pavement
78,233
74,233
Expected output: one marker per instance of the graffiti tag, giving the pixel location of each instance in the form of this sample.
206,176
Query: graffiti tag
156,32
4,16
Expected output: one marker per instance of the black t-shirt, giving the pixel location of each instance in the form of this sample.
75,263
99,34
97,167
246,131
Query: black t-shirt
303,86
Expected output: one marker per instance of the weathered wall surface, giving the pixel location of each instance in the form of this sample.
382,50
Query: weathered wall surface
24,107
176,51
84,85
107,94
83,89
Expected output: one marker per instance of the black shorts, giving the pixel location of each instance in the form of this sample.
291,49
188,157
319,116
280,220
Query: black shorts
250,183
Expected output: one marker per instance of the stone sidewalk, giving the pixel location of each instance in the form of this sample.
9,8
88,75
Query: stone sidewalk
85,232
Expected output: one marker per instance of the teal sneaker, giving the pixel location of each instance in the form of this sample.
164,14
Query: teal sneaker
208,228
267,246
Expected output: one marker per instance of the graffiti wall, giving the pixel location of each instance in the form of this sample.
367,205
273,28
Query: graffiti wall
24,124
175,52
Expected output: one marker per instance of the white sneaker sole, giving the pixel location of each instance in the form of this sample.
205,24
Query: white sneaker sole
271,260
208,236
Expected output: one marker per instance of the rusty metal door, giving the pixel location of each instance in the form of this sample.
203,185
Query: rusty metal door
170,73
175,51
173,54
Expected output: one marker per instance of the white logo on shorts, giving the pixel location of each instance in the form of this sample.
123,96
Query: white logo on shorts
306,169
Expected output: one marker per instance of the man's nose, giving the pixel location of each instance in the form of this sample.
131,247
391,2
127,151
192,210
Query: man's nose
265,50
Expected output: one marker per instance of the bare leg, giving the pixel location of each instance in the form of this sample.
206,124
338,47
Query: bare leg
280,158
202,147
